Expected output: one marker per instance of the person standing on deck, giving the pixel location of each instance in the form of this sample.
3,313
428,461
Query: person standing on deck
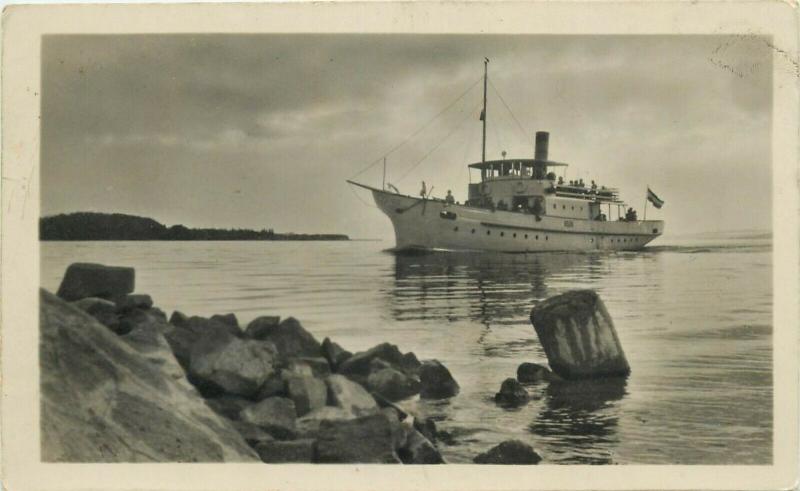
424,191
449,199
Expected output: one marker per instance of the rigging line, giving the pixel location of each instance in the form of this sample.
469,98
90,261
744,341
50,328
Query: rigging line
469,114
359,198
417,132
521,128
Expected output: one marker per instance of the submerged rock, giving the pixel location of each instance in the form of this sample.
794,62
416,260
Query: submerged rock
363,440
529,373
102,400
220,362
578,336
511,393
392,384
83,280
275,415
511,452
436,380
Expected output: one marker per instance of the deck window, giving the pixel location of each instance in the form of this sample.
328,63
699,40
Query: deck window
502,234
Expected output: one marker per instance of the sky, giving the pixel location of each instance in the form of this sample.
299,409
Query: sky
261,131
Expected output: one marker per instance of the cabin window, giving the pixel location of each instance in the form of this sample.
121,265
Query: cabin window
473,230
563,207
455,229
554,206
515,235
572,207
545,237
488,232
502,234
526,236
537,236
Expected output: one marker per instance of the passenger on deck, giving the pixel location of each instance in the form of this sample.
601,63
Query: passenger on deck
560,180
424,191
449,199
594,186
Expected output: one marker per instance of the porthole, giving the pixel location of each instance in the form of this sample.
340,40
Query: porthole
563,207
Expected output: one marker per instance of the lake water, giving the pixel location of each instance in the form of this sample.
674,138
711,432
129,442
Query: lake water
693,315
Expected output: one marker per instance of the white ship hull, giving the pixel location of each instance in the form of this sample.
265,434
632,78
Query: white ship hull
421,224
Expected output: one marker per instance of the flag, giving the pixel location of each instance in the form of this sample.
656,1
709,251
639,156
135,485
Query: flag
483,115
651,197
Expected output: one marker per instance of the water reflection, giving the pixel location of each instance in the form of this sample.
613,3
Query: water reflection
580,419
498,288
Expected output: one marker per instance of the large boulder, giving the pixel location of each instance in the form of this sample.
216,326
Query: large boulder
276,416
578,336
512,393
335,354
275,385
361,363
102,400
350,396
363,440
392,384
419,450
511,452
531,373
229,320
83,280
289,337
276,452
220,362
307,392
436,381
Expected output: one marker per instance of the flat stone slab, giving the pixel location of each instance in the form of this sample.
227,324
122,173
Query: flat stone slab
83,280
578,336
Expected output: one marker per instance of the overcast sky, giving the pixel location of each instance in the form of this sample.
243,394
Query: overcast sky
261,131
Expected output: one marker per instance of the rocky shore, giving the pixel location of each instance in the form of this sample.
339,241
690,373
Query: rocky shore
121,382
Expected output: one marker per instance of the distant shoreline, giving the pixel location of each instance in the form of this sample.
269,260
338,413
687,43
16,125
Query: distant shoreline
90,226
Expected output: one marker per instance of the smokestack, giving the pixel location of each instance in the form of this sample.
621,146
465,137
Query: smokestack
542,140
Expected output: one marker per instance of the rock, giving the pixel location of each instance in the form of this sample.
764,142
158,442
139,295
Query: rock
252,434
200,325
378,364
101,400
427,427
228,406
103,310
130,302
83,280
512,452
359,363
410,364
307,392
335,354
392,384
578,336
400,430
318,365
384,402
290,338
436,381
261,326
419,450
274,452
130,319
308,425
220,362
363,440
511,393
180,342
178,319
529,373
350,396
229,320
275,385
275,415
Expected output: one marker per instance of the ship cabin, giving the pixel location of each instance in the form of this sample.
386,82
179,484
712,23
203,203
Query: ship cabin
529,186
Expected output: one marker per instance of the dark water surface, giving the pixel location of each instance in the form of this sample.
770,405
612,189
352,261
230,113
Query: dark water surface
694,318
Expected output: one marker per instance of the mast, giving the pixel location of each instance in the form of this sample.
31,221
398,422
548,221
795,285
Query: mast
483,113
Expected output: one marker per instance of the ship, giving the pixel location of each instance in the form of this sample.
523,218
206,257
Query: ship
519,205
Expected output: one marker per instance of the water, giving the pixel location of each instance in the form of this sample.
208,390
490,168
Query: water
694,318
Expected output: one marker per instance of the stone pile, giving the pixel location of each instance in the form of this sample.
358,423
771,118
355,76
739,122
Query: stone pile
271,387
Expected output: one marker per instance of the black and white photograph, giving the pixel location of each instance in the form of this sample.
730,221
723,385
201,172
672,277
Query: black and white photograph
545,249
